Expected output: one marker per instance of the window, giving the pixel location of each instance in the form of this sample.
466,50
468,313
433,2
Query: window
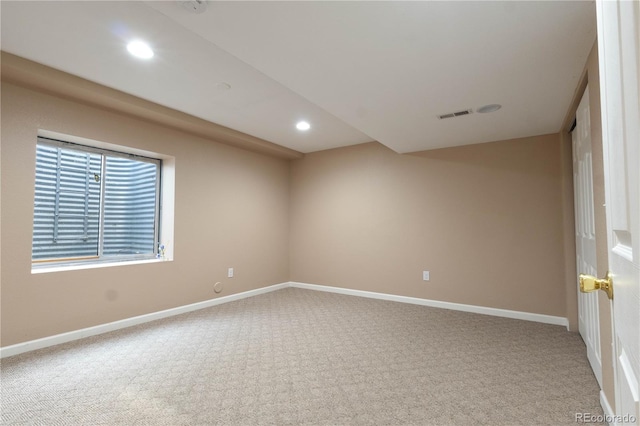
93,204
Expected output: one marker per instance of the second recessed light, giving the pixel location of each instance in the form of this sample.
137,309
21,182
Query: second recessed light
140,49
303,126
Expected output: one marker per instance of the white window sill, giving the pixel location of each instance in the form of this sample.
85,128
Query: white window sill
88,265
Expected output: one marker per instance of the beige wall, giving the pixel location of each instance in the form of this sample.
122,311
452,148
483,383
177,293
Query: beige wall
231,210
490,222
568,231
485,219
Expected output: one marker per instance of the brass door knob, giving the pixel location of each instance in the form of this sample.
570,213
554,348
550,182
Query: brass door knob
589,283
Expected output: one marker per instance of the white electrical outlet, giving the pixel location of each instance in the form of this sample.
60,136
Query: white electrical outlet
230,273
425,275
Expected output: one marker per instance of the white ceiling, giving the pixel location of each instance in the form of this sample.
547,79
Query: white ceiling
357,71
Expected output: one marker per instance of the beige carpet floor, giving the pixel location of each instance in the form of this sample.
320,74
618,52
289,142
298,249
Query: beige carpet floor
302,357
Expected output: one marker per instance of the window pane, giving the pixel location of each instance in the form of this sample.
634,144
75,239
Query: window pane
129,207
67,203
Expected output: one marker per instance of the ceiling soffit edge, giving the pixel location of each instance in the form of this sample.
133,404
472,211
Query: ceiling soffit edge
29,74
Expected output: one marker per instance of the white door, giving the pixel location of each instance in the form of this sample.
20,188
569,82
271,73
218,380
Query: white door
618,40
588,316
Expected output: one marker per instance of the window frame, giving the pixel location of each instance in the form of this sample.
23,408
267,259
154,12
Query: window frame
100,258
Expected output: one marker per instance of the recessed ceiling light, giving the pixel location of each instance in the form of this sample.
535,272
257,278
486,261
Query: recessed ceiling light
303,126
488,108
222,86
140,49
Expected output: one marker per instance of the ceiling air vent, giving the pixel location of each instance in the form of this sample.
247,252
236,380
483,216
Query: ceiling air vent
455,114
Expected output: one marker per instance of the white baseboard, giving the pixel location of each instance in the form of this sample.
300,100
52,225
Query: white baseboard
57,339
606,408
527,316
45,342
